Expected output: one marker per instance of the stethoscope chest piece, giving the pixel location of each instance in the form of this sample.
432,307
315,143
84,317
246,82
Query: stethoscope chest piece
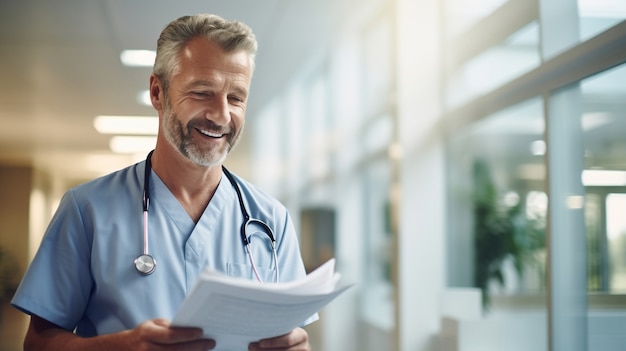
145,264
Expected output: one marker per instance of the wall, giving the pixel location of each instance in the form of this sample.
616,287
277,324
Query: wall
15,188
15,192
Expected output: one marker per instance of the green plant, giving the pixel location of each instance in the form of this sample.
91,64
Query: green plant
501,232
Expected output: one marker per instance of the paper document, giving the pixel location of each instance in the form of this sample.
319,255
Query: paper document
236,311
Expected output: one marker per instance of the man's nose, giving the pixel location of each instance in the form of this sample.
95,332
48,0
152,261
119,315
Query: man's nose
219,112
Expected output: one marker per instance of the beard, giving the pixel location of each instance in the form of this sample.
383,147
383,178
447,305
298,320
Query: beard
180,136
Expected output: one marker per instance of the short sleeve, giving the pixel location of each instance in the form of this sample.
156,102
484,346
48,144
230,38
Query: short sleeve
57,284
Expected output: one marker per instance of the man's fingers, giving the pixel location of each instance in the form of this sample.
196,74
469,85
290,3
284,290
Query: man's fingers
160,331
178,335
297,339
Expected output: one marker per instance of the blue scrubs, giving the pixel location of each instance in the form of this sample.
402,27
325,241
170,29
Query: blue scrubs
83,277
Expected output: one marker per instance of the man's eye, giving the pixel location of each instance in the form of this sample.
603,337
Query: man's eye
199,93
235,98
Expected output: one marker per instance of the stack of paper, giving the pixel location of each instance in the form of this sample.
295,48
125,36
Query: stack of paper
236,311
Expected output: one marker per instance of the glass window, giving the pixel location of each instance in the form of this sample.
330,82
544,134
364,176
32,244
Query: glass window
604,122
318,130
377,290
616,238
597,16
462,14
377,57
497,184
294,121
268,148
516,55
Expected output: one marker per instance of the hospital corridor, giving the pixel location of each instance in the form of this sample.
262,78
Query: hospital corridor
463,161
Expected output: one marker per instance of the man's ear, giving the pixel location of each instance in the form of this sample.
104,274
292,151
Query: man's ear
156,92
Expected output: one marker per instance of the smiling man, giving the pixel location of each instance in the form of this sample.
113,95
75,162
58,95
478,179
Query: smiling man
101,280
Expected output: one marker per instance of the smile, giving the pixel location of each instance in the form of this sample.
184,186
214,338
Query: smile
210,134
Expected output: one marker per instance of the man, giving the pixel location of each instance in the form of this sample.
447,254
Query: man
87,289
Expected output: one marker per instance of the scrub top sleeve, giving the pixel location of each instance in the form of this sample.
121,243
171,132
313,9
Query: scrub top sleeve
57,284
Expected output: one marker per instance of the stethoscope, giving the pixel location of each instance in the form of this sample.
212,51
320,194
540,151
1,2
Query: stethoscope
146,264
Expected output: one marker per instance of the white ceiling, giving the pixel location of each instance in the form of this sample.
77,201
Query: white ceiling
60,67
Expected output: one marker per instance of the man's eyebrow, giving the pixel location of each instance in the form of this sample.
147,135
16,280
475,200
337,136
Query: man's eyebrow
210,84
202,83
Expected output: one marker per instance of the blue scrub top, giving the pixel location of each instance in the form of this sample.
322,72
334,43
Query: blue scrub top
83,277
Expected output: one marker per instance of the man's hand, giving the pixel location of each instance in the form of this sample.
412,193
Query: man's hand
296,340
151,335
156,334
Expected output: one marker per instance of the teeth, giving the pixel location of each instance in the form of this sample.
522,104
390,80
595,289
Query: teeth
210,134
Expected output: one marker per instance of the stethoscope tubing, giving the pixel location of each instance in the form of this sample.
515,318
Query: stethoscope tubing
146,264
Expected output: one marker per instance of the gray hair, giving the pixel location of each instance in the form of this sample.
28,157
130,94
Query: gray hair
231,36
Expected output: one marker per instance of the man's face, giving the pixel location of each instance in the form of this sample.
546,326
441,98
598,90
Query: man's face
204,109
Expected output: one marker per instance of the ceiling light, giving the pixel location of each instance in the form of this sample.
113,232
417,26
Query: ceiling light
138,58
132,144
137,125
596,177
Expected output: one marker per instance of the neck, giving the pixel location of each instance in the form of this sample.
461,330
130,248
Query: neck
191,184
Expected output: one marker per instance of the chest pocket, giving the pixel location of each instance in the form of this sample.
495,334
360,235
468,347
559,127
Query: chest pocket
245,271
263,259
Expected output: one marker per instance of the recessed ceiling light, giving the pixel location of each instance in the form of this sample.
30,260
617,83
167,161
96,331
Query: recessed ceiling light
132,144
133,125
138,58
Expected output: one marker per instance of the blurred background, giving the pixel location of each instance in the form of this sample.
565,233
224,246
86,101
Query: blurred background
463,160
